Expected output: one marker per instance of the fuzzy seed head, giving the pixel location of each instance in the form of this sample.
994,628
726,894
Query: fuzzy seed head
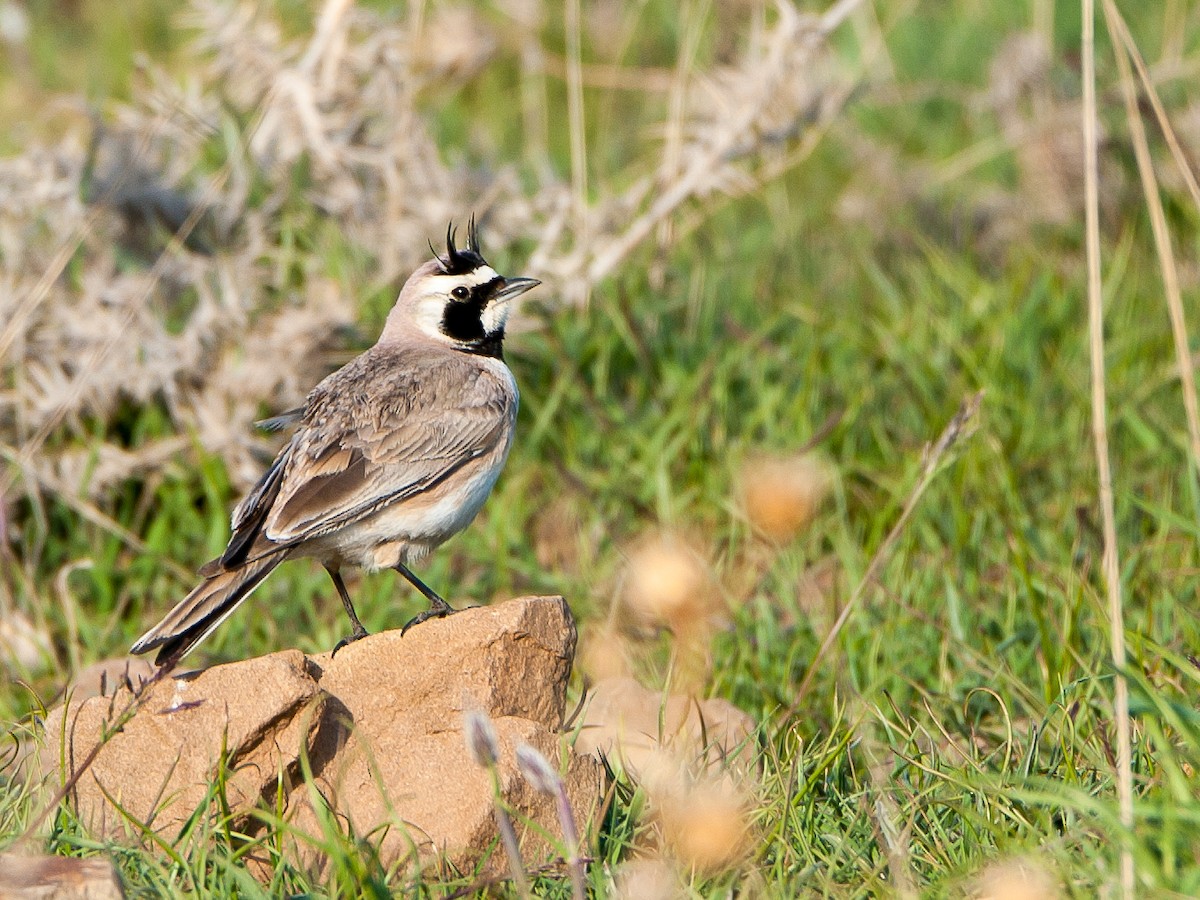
647,879
704,821
782,494
481,738
707,828
668,582
1016,879
604,653
537,770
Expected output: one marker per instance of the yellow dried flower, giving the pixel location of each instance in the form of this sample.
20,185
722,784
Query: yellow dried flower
781,494
1016,879
706,826
668,582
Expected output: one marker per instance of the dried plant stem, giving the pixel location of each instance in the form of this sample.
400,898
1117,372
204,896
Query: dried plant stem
672,153
1120,34
174,246
701,165
516,865
544,778
1111,562
1162,240
86,510
34,444
949,436
566,818
891,835
575,120
62,256
534,102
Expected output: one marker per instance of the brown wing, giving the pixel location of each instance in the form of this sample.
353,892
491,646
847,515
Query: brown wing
391,424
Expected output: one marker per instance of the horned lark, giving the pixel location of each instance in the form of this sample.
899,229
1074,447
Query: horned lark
391,455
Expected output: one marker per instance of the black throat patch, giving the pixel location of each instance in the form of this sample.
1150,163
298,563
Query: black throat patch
462,322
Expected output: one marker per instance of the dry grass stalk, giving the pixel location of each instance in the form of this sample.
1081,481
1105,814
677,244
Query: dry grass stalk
481,741
1111,563
1162,237
957,427
1120,32
544,778
892,832
749,108
579,174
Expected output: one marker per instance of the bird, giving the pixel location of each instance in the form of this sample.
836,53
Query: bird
390,455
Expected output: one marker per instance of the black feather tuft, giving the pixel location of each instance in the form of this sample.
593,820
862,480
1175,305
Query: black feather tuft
461,262
473,235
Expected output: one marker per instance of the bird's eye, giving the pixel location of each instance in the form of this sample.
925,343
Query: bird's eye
460,293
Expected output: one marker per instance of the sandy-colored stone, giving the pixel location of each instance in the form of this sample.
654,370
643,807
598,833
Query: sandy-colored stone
257,715
511,659
58,878
399,758
381,725
102,678
630,725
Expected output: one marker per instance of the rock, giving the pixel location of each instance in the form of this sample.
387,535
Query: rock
58,878
257,715
101,678
380,725
631,725
399,758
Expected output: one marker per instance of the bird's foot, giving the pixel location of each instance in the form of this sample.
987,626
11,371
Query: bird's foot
356,635
438,609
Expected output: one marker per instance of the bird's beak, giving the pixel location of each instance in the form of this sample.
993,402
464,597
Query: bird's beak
514,287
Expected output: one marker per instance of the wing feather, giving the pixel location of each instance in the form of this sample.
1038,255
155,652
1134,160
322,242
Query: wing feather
388,426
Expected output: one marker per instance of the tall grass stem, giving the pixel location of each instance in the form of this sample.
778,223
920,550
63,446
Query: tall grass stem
1162,234
1111,561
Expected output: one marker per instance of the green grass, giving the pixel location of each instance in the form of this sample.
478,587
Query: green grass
987,630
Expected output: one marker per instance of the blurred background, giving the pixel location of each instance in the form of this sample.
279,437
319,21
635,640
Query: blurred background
781,245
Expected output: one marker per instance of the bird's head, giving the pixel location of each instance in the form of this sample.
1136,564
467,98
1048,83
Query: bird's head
457,299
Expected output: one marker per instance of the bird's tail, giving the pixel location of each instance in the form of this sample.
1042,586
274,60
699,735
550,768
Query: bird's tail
207,606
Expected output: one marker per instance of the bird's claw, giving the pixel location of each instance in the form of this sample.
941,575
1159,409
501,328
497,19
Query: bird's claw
357,635
436,611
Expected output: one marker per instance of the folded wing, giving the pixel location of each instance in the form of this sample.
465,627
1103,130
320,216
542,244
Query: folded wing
390,425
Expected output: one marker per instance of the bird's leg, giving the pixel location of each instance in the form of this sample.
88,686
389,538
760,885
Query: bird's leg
437,606
358,630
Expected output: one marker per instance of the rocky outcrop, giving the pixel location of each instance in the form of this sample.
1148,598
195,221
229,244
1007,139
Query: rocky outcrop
248,721
379,727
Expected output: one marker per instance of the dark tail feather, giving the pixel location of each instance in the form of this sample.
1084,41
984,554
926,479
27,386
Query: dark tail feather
206,607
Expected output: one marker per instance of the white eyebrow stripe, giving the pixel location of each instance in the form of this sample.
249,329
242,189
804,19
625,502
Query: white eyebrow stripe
482,275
